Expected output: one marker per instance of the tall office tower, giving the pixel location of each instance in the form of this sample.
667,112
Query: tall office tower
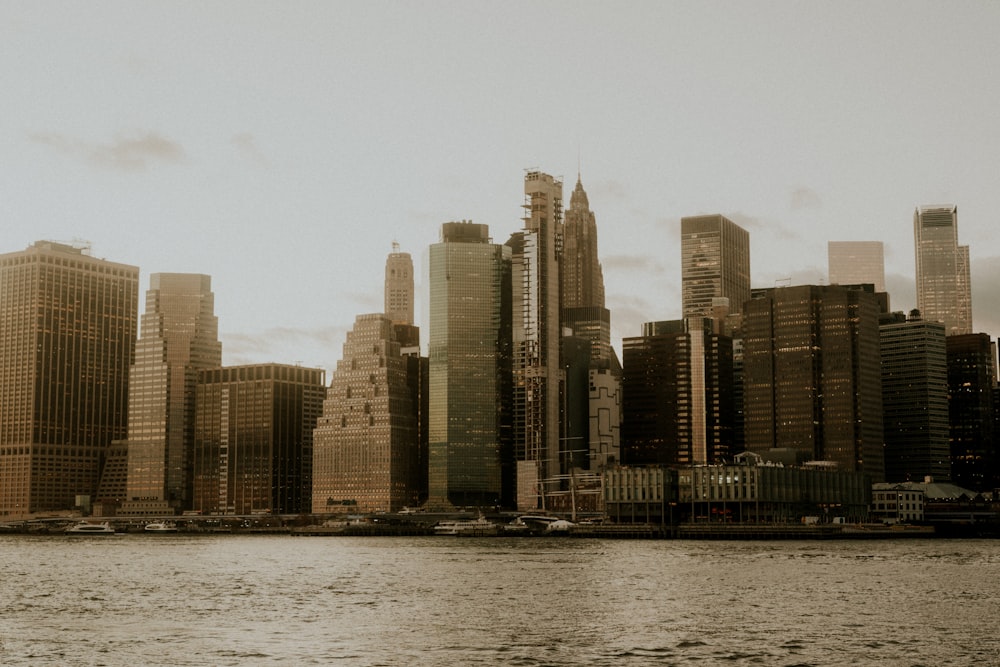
856,263
678,394
67,336
811,374
179,336
471,457
253,438
399,286
914,398
944,291
366,444
975,464
538,373
585,315
715,264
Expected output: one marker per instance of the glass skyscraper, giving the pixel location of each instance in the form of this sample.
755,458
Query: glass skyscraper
715,263
856,263
944,292
470,459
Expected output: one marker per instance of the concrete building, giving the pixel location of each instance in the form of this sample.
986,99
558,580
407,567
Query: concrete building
715,267
471,460
914,398
944,292
897,503
812,376
856,263
399,286
253,438
366,446
678,391
179,336
971,361
67,338
538,373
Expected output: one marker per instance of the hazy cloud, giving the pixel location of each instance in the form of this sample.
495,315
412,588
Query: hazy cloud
774,228
604,190
803,197
133,153
246,144
648,263
259,347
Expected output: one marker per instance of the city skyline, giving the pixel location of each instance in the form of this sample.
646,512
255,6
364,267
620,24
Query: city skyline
310,156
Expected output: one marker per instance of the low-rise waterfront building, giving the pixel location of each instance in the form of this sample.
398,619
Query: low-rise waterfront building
897,503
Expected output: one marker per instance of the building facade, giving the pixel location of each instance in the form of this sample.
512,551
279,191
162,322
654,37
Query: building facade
914,398
399,286
179,336
253,438
971,386
471,459
811,374
67,338
856,263
715,264
538,374
944,291
678,389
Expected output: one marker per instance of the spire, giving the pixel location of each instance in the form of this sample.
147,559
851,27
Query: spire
578,200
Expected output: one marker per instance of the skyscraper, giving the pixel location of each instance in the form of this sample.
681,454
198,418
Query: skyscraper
944,292
179,337
535,256
67,336
366,448
678,393
914,399
585,315
470,458
856,263
253,438
975,463
399,286
812,378
715,264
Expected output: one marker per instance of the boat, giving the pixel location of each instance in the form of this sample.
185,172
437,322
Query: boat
160,527
88,528
478,527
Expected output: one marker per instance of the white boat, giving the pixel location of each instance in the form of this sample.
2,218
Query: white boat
160,527
478,527
87,528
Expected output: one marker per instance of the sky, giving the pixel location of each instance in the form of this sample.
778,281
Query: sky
283,147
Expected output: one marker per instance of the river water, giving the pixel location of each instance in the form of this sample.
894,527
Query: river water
280,600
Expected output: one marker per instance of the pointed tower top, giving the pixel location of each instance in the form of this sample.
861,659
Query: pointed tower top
578,200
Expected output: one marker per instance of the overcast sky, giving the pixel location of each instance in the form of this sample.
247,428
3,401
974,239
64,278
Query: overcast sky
282,147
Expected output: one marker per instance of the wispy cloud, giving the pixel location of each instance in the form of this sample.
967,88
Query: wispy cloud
646,263
291,342
246,144
802,197
131,153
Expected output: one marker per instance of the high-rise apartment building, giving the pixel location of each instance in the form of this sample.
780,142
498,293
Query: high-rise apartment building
253,438
399,286
469,431
811,374
944,291
538,373
914,399
67,336
975,464
856,263
366,448
715,265
178,338
678,393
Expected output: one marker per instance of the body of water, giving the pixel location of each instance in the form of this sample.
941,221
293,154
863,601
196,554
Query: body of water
279,600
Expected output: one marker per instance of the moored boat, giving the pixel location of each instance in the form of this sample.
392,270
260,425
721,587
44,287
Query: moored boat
478,527
88,528
160,527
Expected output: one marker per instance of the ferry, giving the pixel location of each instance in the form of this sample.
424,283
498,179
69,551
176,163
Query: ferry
87,528
160,527
479,527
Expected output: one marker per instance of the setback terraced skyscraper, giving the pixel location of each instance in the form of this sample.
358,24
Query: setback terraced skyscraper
944,292
179,337
67,336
